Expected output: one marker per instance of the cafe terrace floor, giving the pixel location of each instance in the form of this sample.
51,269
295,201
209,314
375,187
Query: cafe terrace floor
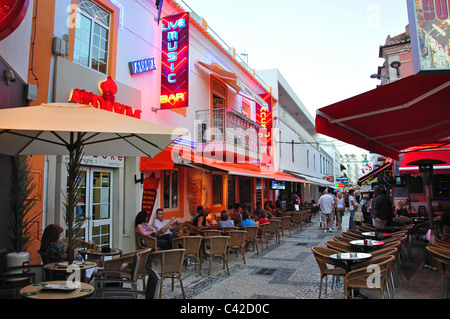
289,271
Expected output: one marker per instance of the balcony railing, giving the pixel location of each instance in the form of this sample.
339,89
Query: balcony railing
221,125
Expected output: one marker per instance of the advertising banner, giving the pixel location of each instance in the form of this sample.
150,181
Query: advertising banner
429,23
175,61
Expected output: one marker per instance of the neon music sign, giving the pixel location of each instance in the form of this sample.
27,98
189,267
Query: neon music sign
175,61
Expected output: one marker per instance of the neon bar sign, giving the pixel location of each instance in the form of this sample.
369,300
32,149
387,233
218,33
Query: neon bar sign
264,118
175,61
142,66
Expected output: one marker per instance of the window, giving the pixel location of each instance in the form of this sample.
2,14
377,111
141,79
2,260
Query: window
171,188
92,36
217,189
219,93
416,185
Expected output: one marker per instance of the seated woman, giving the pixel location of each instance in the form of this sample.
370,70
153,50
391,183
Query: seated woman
143,228
52,245
400,209
200,221
225,220
55,250
246,220
262,219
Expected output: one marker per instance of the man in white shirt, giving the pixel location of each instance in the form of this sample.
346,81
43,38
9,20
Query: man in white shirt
352,207
164,227
326,206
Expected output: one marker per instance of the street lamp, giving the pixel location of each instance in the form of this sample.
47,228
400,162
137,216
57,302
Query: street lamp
395,65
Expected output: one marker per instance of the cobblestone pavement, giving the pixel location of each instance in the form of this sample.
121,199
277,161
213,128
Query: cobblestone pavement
288,270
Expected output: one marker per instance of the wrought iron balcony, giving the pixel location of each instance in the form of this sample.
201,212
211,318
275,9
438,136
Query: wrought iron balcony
225,125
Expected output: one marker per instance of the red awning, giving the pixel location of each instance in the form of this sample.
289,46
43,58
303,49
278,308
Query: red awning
408,112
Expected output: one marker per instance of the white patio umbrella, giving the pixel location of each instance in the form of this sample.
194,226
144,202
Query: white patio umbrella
70,128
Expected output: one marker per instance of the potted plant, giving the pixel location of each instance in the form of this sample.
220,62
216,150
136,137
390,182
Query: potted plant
22,217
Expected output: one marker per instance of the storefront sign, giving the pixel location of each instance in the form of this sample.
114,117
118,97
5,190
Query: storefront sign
265,119
103,161
175,61
429,22
142,66
106,101
149,195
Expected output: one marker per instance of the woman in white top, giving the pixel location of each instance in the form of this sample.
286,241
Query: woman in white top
340,208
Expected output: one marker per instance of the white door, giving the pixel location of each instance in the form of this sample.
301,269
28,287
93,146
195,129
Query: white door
95,204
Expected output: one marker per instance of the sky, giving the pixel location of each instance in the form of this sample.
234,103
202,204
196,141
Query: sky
325,49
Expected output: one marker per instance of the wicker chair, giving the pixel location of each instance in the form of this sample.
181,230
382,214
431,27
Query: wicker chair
237,241
192,246
442,259
252,235
323,260
263,234
339,246
171,267
285,224
297,219
144,242
218,248
361,278
123,269
274,229
211,232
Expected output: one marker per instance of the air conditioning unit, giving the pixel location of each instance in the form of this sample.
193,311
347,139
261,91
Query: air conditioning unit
60,47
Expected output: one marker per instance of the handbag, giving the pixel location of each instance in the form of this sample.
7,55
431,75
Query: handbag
359,217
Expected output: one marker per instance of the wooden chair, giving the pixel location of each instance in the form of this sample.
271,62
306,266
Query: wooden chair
351,236
237,241
285,224
442,259
252,235
263,234
218,248
192,245
274,229
323,260
361,278
171,266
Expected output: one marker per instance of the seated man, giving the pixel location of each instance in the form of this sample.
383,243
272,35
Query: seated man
164,227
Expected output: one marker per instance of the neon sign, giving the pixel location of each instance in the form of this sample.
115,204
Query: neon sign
264,118
141,66
175,61
106,101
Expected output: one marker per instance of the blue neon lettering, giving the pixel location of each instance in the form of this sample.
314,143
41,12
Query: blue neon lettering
170,76
172,56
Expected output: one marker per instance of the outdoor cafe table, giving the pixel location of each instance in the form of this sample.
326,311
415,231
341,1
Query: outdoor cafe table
350,258
366,244
377,235
56,290
101,252
62,266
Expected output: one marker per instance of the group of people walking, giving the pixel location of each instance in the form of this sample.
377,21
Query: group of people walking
332,207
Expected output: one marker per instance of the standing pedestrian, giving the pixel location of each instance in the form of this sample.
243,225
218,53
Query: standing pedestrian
340,208
352,207
381,208
326,207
